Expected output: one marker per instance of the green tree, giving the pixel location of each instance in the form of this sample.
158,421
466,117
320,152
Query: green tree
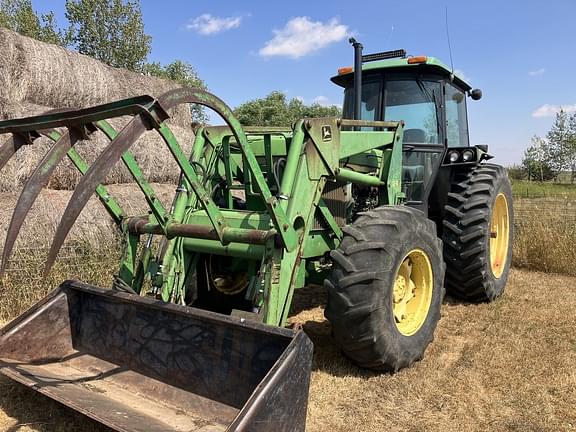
111,31
276,110
184,74
516,172
547,158
561,140
537,161
557,138
570,148
19,16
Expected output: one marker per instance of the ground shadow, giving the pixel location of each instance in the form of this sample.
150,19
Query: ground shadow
459,301
454,301
327,356
307,298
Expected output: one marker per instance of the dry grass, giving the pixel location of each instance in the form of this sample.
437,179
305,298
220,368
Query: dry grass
24,284
505,366
93,222
545,235
89,253
45,74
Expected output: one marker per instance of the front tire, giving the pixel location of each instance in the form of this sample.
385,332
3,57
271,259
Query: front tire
478,233
386,287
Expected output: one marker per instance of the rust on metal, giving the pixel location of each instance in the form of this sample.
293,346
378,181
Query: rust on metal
139,105
140,225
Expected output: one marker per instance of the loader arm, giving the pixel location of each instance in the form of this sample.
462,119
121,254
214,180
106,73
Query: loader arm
282,175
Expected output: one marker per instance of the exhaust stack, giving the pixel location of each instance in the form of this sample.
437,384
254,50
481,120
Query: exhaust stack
357,77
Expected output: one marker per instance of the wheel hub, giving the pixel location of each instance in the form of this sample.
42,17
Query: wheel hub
224,280
403,293
412,292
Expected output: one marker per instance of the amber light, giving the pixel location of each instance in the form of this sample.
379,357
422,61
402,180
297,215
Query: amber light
417,59
345,70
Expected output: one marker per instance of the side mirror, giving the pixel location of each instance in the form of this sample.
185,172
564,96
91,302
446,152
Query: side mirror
475,94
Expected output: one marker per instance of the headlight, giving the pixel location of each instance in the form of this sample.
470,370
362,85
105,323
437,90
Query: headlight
453,156
467,155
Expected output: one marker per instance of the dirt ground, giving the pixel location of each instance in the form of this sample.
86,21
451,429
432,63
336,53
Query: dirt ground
505,366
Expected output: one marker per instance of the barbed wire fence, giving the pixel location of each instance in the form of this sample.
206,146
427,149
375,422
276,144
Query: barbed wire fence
87,254
557,207
28,261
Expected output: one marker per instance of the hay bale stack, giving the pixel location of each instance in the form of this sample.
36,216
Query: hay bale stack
45,74
36,77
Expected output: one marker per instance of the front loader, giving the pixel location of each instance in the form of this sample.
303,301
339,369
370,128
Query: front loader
386,207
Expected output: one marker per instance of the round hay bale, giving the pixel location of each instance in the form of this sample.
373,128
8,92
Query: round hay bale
94,224
16,109
50,75
150,152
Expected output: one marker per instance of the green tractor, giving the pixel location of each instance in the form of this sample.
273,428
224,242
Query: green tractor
453,227
385,206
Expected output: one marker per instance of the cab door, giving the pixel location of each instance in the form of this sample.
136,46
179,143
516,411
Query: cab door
418,102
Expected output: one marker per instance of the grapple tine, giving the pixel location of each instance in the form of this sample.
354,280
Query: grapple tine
88,183
16,141
9,148
32,189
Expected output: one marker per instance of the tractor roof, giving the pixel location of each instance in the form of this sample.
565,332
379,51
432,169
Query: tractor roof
375,62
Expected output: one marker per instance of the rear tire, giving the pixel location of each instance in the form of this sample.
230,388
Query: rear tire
386,256
478,233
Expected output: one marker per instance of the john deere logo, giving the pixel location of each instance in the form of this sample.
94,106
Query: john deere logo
326,133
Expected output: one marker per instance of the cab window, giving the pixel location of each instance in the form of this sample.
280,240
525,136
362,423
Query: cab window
414,101
456,120
369,109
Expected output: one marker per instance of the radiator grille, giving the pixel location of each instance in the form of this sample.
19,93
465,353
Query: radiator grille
336,195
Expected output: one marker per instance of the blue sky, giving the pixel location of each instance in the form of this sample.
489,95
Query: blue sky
521,54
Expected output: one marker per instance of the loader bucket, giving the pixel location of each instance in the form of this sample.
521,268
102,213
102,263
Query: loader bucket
138,364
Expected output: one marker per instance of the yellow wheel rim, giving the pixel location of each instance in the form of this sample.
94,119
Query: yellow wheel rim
499,235
412,292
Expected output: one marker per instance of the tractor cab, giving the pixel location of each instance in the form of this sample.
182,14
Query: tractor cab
429,98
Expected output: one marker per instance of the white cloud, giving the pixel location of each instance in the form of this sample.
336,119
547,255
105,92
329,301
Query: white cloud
322,100
536,72
207,24
548,110
301,36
